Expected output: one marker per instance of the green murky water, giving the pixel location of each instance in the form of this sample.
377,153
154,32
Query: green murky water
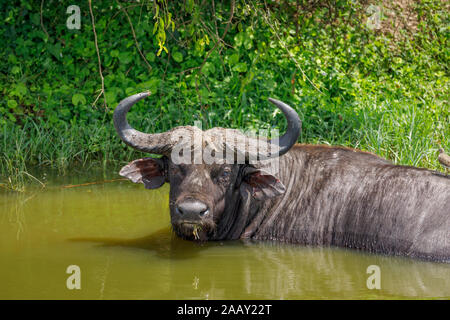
119,235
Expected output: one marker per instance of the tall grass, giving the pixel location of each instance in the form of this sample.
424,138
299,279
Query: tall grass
402,131
57,148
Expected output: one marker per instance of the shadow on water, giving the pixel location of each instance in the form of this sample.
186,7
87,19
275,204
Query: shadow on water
270,269
164,243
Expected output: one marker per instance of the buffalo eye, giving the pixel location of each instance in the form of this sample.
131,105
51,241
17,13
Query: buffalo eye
223,175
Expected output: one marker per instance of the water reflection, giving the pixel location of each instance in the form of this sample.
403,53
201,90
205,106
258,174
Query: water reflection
120,236
279,271
164,243
333,272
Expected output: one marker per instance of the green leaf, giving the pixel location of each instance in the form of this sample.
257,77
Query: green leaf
129,91
20,90
35,19
111,96
15,70
177,56
125,57
78,98
12,104
150,56
209,68
234,59
189,5
239,39
248,43
151,85
240,67
115,53
12,59
11,117
55,50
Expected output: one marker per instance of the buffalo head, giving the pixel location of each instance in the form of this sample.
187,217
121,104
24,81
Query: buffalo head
204,194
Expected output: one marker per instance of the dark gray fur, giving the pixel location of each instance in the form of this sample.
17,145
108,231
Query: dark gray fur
347,198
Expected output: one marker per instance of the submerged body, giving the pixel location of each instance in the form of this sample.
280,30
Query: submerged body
348,198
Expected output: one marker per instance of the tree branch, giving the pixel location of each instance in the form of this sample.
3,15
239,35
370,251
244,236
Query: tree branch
134,36
99,60
217,43
42,20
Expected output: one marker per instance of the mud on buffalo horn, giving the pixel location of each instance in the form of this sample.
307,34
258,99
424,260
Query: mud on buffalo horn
161,143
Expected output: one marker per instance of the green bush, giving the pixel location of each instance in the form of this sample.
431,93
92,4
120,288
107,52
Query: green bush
351,85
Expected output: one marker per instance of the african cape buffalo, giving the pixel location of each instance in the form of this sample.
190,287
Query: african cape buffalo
321,195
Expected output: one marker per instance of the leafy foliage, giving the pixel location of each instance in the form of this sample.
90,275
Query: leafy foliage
218,62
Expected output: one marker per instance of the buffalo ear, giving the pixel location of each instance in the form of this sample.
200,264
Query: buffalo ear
149,171
261,184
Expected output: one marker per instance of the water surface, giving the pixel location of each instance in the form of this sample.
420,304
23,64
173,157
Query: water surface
119,235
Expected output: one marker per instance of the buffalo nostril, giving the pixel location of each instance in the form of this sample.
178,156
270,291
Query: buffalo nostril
192,209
